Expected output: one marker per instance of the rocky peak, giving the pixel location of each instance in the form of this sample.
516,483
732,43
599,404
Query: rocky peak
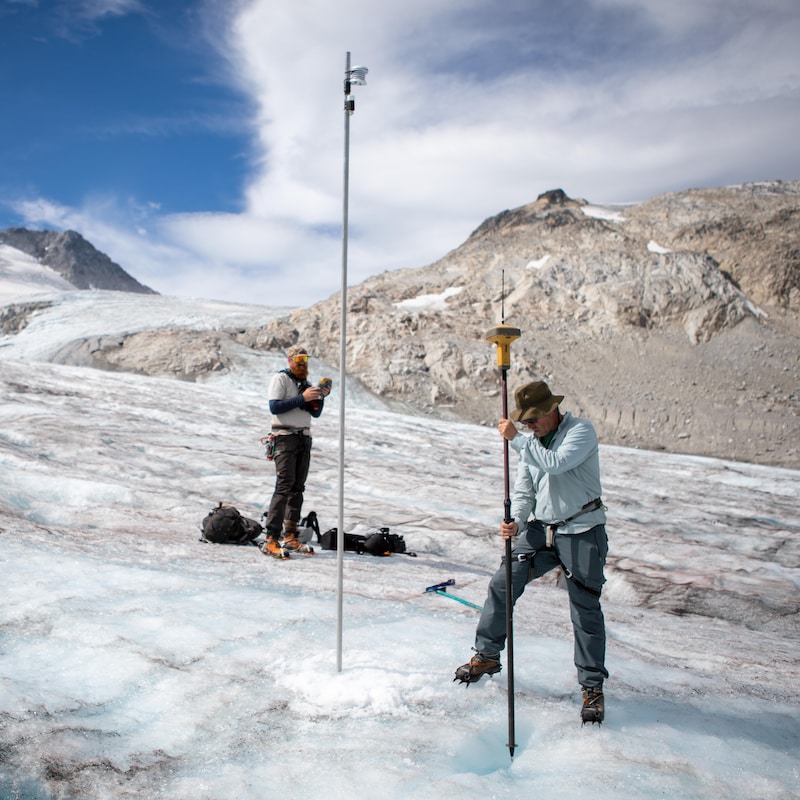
552,208
70,255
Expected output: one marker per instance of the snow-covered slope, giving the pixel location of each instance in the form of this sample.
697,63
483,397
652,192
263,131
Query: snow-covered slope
136,661
22,277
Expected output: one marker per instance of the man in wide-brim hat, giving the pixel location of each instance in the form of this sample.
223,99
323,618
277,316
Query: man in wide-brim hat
558,520
536,402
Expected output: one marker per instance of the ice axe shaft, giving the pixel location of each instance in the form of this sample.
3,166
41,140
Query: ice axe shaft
443,593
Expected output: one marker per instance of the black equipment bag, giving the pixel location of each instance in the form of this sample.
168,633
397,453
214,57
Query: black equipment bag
379,543
383,543
352,541
225,525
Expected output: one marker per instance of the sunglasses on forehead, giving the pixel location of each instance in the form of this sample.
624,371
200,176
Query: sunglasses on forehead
301,359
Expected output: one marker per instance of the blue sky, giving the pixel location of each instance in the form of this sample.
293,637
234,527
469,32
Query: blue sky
200,144
120,104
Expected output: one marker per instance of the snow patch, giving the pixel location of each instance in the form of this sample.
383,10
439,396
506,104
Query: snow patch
608,213
654,247
538,263
429,302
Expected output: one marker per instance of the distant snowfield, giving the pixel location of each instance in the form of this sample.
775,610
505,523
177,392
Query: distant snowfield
21,275
80,314
608,213
136,661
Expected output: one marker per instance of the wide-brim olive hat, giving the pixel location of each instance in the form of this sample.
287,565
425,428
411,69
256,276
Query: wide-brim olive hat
534,400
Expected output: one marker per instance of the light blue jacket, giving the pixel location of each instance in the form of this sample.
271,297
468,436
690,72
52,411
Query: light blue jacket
554,483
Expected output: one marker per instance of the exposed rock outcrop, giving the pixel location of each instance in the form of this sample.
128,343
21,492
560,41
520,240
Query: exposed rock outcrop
15,317
179,353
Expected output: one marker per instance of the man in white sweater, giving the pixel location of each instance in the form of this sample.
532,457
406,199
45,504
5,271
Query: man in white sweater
293,401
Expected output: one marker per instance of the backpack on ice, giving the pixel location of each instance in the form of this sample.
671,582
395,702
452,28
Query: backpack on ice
225,525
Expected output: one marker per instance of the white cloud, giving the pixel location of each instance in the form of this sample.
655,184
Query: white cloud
472,108
434,151
78,20
95,9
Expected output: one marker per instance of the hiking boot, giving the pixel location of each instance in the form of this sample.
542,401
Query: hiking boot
478,666
272,547
293,545
594,709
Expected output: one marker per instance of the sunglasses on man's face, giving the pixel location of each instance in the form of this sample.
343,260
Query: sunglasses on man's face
533,420
300,359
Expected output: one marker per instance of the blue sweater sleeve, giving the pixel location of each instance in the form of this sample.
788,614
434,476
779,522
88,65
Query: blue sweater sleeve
287,404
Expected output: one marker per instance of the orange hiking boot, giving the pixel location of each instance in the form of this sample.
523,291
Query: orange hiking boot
293,545
272,547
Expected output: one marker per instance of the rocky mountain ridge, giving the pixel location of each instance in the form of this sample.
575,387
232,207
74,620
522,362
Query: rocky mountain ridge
75,259
672,324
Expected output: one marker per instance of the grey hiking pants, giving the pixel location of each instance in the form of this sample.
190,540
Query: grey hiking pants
584,556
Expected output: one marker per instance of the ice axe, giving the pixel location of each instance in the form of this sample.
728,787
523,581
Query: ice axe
441,588
502,336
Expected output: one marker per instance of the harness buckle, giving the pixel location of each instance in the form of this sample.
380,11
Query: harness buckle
521,557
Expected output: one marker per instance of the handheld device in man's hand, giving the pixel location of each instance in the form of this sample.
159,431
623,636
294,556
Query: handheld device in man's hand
325,383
